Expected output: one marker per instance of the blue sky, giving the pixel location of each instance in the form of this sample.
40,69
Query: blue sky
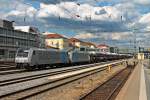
99,21
105,3
34,4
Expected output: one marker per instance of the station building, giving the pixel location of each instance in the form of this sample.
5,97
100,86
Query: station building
140,56
78,43
57,41
75,42
13,38
90,44
145,51
103,48
114,49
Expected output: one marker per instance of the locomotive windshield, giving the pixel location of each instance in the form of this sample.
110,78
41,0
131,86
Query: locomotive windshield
22,53
82,49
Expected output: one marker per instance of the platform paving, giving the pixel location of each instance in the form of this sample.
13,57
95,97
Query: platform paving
143,92
136,86
147,77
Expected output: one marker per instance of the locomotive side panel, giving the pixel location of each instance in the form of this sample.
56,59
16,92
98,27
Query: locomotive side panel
41,57
80,57
64,56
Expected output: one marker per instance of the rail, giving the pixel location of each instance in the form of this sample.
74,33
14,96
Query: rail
110,88
57,80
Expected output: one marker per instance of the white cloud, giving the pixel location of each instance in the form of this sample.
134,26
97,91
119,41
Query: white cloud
106,35
48,14
104,18
64,9
85,36
30,12
145,18
72,10
128,10
121,36
147,28
47,10
143,2
9,4
144,22
115,35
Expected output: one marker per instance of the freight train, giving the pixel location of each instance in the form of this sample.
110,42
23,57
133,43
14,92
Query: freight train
34,58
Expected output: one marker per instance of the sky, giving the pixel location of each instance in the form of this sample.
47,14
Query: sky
113,22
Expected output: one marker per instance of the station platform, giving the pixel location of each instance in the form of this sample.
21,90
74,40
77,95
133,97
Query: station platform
137,87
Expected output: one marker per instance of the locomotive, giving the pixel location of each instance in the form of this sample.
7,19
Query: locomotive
41,58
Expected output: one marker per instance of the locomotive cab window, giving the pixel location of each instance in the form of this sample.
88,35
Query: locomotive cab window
82,49
22,53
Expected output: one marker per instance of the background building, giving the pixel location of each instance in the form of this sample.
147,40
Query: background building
89,45
11,40
6,24
103,48
114,49
33,30
54,40
41,40
78,43
125,50
75,42
140,56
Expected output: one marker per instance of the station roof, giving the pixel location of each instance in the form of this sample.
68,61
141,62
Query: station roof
74,40
102,45
55,35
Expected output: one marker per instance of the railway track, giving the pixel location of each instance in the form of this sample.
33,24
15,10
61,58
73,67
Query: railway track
37,73
109,89
11,71
31,77
5,64
9,68
5,68
43,84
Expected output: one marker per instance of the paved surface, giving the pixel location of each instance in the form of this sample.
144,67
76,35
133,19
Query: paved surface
130,91
143,92
147,74
147,78
137,86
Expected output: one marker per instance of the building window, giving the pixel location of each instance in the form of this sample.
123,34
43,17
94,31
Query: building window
12,54
1,52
